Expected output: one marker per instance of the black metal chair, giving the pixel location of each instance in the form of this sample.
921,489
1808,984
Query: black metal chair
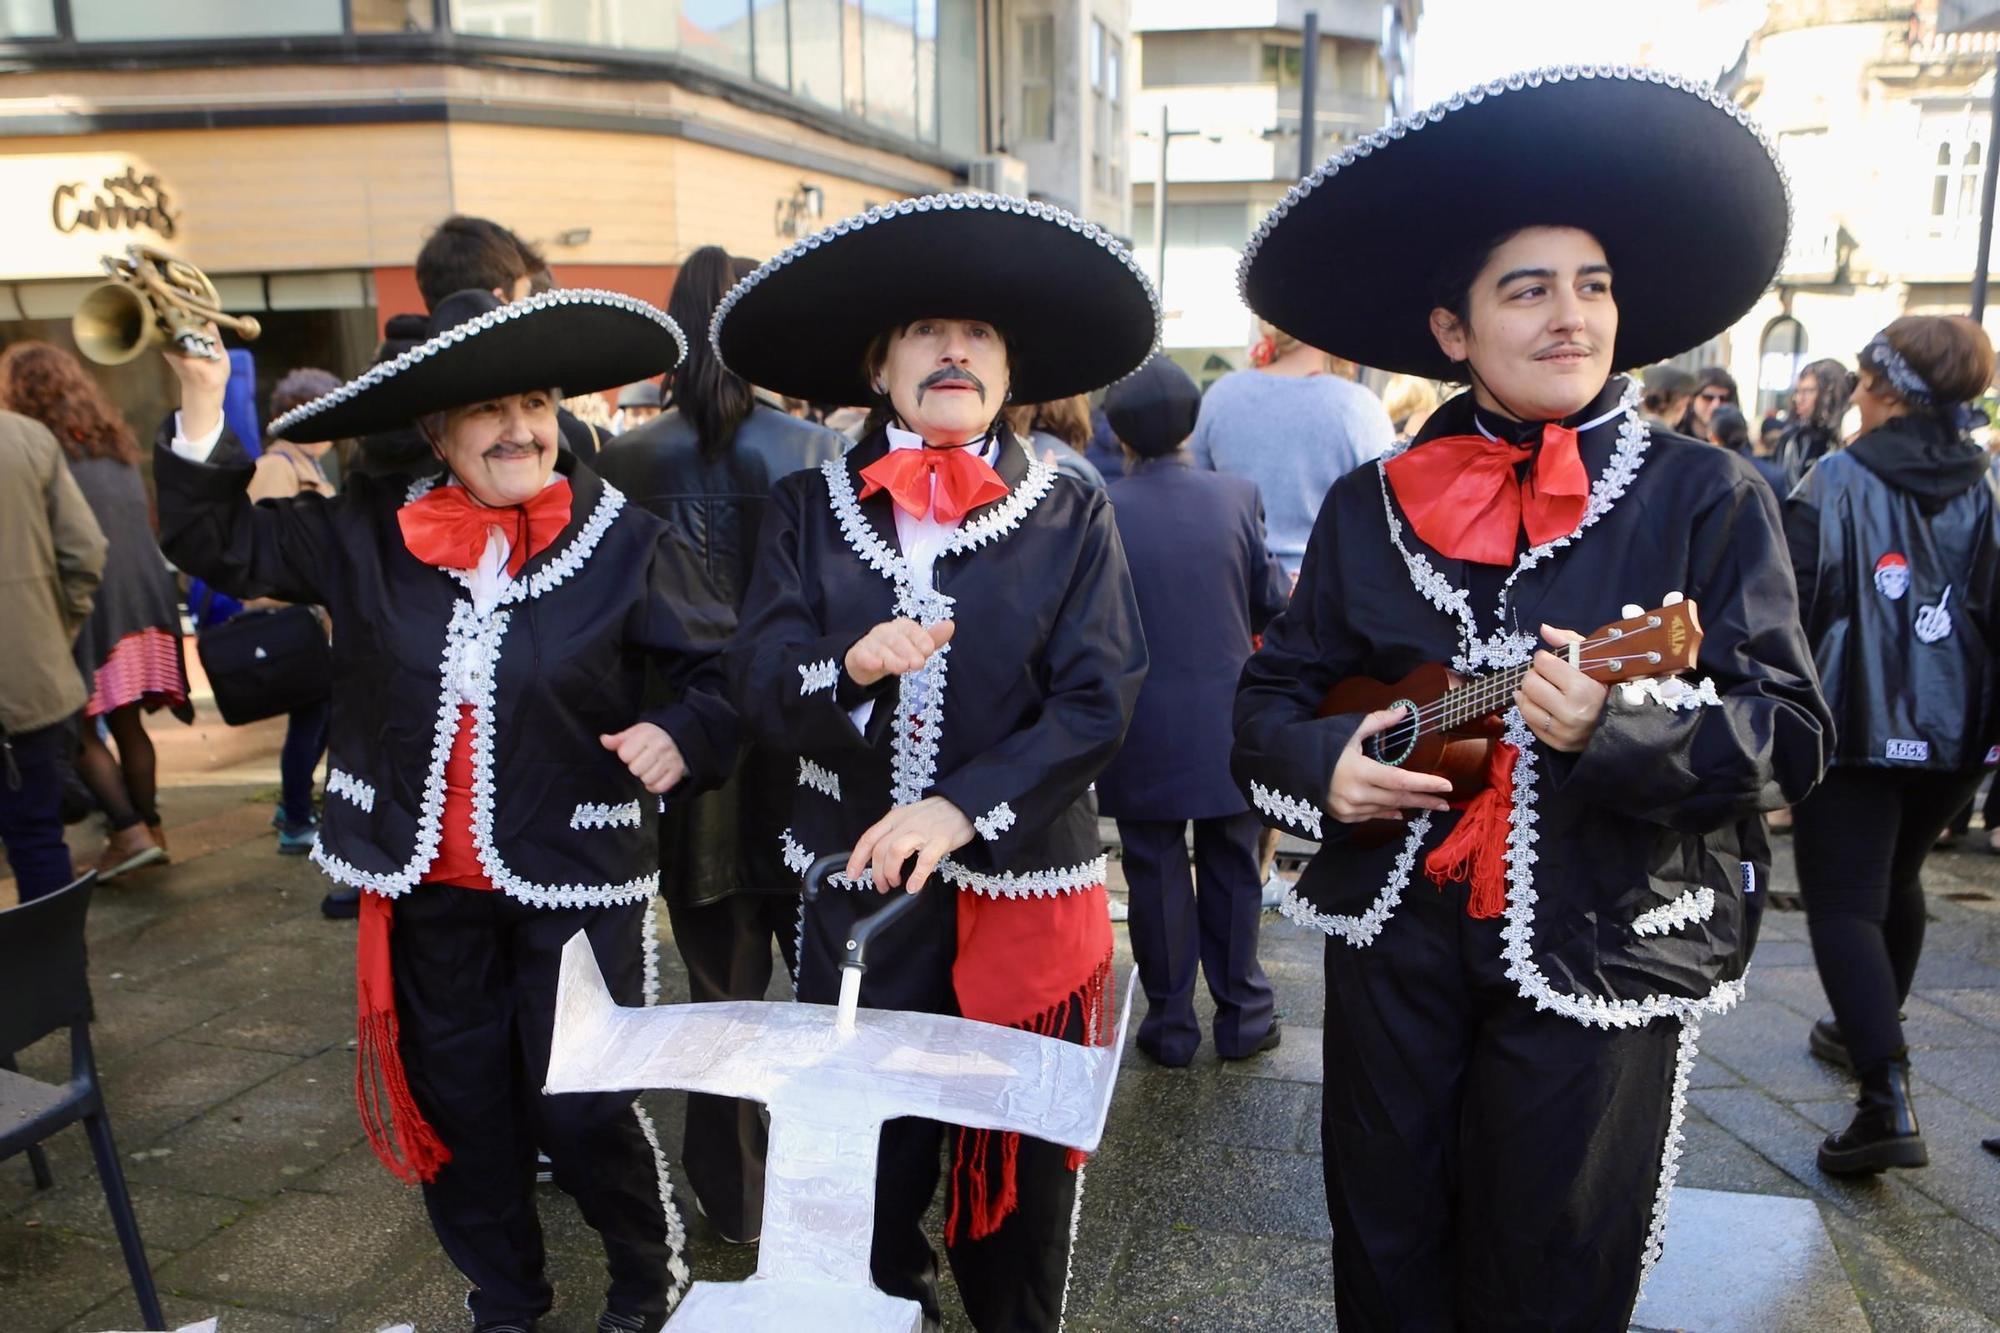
43,958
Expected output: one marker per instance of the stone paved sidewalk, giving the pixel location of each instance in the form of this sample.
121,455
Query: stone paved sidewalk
224,1026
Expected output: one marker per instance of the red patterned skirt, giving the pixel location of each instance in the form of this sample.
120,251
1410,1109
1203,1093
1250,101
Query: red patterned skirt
145,667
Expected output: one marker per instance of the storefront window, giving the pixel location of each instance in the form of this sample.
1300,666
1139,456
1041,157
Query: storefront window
717,32
392,15
640,25
150,20
816,51
27,18
767,22
889,54
958,76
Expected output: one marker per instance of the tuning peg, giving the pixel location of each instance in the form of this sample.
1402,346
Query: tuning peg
1672,599
1632,609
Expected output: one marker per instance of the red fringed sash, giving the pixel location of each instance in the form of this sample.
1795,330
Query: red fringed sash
1038,964
379,1082
1476,852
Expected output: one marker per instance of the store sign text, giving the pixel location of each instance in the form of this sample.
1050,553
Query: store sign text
126,202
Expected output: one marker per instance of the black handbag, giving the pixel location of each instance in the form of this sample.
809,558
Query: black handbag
265,663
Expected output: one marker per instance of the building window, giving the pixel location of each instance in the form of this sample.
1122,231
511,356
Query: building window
889,62
1957,157
1779,356
770,51
1107,76
1281,65
151,20
815,39
27,18
1038,79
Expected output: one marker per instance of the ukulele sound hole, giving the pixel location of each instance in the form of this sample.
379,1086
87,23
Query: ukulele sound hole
1396,744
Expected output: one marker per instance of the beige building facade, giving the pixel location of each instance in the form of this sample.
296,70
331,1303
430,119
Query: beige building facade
1881,115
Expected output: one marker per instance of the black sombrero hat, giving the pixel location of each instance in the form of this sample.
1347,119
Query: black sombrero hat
576,339
1075,308
1678,184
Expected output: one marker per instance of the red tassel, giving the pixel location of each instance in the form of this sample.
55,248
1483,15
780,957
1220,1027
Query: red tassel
380,1083
1476,852
973,1197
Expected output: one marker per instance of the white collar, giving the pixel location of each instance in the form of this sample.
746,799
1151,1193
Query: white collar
1589,425
987,446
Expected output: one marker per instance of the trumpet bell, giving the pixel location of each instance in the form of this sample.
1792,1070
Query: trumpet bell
114,324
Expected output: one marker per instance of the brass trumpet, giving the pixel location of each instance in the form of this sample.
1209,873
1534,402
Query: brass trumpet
151,298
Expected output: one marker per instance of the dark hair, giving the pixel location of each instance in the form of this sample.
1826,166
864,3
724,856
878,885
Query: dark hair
711,397
1715,377
1451,284
467,252
1665,383
1952,353
1831,401
300,387
45,382
881,411
1727,426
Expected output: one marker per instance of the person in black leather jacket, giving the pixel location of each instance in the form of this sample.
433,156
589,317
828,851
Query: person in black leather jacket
1819,400
706,466
1896,545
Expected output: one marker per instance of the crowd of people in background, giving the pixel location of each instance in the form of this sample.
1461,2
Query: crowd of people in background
1215,490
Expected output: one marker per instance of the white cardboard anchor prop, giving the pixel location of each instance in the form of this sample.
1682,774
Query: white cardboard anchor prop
830,1076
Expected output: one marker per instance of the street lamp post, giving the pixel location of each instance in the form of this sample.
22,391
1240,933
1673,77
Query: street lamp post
1167,136
1986,205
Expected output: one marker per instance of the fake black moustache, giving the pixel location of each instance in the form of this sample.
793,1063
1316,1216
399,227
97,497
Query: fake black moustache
949,373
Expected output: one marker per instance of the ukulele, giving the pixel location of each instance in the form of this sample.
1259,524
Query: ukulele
1450,723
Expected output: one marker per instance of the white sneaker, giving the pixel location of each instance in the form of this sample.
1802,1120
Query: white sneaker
1119,910
1274,891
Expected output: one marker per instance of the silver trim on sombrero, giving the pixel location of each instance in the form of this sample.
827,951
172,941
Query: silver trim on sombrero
1004,203
396,365
1534,78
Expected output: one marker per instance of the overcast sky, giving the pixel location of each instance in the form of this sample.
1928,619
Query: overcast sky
1462,42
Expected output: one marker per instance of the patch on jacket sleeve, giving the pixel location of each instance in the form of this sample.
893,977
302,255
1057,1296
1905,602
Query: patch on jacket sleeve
1915,752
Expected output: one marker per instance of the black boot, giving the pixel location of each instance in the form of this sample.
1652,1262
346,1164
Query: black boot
1826,1043
1884,1130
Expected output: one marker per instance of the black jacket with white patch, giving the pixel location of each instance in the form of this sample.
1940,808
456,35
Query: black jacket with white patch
559,660
1010,721
1626,862
1896,543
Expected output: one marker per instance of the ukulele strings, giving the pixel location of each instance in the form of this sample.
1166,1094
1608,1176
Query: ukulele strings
1482,695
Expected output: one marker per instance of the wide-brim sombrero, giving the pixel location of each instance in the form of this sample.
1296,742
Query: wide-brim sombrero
1076,311
1678,184
575,339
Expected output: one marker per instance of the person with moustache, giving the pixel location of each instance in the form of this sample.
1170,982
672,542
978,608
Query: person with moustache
1207,583
706,468
495,763
1515,983
942,628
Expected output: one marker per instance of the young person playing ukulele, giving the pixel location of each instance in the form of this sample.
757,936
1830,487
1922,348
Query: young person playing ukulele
1515,978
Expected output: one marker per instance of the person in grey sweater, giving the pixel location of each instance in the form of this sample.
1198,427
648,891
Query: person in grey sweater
1294,428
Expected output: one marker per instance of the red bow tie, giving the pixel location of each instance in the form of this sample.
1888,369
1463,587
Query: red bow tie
964,482
448,527
1464,499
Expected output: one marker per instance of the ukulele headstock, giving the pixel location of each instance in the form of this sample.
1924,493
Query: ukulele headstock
1659,642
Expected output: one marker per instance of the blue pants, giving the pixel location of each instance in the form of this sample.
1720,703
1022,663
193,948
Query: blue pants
1208,912
31,809
305,742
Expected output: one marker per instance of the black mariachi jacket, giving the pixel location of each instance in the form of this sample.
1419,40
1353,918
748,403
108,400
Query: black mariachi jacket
559,661
1626,863
1013,718
1897,552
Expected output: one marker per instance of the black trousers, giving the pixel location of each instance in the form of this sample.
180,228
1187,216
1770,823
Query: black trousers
1861,838
475,996
1015,1279
1209,913
726,946
1488,1166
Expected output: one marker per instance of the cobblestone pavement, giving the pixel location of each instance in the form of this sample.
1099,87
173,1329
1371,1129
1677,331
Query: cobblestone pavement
225,1020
